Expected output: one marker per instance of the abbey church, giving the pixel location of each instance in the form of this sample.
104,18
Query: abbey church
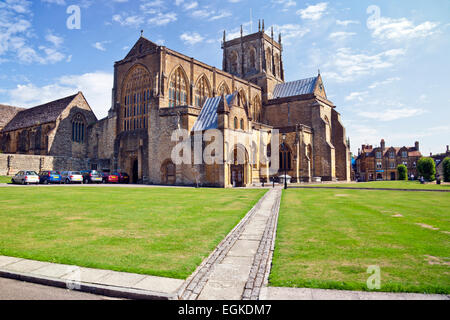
157,91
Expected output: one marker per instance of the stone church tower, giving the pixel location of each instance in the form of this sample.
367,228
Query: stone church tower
256,58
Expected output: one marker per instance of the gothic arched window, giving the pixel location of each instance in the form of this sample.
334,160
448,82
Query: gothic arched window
223,89
285,157
269,60
136,98
277,68
178,89
251,59
257,109
78,128
202,91
234,62
235,123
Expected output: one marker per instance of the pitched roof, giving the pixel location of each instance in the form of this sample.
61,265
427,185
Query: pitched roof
45,113
295,88
7,113
208,116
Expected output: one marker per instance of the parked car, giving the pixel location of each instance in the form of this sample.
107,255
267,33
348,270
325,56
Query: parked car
92,176
71,177
110,178
46,177
26,177
123,177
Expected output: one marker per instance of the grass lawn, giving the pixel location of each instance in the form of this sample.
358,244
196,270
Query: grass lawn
156,231
390,185
328,239
5,179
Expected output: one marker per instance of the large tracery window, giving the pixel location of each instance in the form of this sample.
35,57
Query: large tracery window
78,128
177,89
136,99
202,91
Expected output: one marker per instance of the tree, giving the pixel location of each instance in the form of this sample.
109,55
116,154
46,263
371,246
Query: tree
402,172
427,168
446,166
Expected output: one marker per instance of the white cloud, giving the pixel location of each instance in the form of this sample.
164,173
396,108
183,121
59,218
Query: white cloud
384,82
341,35
356,96
313,12
291,31
95,86
191,38
162,19
400,29
100,45
392,114
346,65
132,21
346,23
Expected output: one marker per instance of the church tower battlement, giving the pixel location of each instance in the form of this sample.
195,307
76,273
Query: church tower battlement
256,58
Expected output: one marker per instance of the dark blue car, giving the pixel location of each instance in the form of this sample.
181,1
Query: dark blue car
46,177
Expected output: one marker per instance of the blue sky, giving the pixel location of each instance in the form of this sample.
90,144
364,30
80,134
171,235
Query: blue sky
385,63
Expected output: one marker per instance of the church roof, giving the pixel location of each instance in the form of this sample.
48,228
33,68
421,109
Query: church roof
208,116
295,88
7,113
45,113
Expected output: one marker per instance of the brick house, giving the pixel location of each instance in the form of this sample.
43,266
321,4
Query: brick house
381,163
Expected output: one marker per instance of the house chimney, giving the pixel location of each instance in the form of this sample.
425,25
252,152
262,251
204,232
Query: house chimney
383,144
359,151
448,150
417,145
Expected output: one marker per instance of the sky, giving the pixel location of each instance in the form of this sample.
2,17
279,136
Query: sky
385,63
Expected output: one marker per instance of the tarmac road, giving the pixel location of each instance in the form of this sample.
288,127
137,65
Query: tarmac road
19,290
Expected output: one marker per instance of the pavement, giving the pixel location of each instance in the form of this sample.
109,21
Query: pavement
96,281
238,269
19,290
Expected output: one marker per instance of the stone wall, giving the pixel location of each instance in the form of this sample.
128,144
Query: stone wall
10,164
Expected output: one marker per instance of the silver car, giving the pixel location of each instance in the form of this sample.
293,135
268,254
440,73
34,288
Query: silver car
71,177
26,177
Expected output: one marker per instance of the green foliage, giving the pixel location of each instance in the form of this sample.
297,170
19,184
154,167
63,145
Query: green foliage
427,168
446,169
402,172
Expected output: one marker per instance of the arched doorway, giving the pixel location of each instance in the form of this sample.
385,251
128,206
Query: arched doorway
239,167
168,172
135,170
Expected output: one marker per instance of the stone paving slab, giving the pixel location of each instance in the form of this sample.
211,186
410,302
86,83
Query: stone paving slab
104,282
26,265
274,293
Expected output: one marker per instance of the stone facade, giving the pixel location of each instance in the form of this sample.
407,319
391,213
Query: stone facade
381,163
157,91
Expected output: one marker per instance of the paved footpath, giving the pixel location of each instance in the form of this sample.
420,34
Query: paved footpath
238,267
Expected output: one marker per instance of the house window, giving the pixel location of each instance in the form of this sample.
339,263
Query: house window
392,154
242,124
404,154
392,165
379,165
378,155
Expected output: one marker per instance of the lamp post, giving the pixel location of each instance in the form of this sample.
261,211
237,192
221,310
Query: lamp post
284,162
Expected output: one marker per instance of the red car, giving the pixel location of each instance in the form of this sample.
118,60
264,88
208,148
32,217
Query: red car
110,178
123,177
